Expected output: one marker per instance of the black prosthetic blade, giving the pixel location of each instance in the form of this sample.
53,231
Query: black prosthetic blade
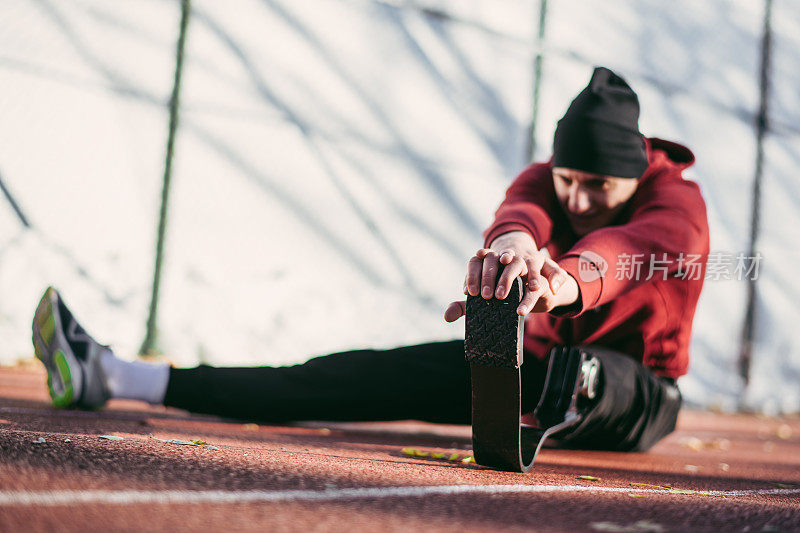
498,439
493,348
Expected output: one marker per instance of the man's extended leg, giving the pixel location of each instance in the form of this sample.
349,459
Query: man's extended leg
425,382
82,372
634,409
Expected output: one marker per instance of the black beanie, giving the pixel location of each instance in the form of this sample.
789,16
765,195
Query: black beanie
599,133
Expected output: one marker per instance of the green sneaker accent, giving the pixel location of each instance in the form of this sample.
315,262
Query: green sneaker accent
48,328
65,398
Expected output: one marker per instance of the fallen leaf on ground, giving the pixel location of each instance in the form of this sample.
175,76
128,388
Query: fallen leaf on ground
692,443
784,432
589,478
413,452
183,442
442,456
670,488
110,437
649,485
721,444
696,444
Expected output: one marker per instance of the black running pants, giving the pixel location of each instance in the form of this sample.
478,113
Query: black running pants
428,382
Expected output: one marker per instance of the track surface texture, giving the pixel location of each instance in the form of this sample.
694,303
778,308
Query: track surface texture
726,473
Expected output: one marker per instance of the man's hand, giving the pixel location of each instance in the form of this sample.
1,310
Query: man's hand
547,285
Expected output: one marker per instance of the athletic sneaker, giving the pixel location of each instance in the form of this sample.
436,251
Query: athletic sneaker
71,357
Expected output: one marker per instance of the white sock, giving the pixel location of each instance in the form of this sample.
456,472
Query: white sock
135,380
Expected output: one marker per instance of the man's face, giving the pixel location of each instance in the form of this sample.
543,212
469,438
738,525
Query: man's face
591,201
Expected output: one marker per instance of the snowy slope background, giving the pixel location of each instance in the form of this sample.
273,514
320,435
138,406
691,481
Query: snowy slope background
337,161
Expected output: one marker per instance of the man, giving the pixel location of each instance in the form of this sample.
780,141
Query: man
609,199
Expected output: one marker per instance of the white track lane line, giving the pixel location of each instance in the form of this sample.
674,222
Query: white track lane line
124,497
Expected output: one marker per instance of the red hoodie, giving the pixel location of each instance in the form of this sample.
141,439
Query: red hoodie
663,229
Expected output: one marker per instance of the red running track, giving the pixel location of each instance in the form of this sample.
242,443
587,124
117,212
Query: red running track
718,472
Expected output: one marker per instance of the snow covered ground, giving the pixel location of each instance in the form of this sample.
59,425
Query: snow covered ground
337,161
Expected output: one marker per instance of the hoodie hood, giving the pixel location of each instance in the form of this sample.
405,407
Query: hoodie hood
677,154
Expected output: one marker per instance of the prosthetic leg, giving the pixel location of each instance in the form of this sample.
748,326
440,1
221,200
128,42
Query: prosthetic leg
493,348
